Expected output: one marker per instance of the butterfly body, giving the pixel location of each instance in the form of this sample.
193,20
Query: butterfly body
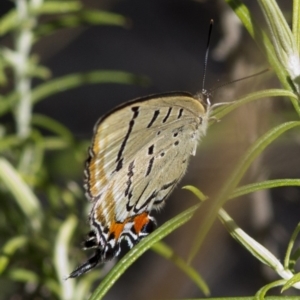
139,153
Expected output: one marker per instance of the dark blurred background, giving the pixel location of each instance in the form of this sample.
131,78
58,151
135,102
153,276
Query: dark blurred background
166,41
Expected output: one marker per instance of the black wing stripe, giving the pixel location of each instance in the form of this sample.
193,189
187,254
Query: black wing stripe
130,175
150,166
129,207
155,115
180,113
167,115
152,196
131,124
170,185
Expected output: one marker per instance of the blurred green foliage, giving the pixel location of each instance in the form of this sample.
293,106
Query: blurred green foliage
40,198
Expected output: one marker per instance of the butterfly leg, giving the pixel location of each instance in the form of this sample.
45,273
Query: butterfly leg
91,241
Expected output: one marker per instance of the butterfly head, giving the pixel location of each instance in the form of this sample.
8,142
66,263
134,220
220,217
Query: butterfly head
204,97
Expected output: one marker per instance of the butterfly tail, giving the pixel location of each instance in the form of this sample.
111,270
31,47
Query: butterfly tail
88,265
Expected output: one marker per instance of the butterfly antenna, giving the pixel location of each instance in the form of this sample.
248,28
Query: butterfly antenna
236,80
204,91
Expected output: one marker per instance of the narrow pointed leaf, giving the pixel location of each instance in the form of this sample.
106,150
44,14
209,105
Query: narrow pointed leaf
22,193
61,256
269,184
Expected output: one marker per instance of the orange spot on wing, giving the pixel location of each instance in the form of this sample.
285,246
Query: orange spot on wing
117,229
140,221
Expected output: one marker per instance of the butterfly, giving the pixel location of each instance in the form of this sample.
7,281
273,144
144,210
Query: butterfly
139,152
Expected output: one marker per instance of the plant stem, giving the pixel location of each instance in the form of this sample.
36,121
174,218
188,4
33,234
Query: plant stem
23,44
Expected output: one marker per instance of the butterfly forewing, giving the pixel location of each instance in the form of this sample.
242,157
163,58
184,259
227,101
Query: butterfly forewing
143,135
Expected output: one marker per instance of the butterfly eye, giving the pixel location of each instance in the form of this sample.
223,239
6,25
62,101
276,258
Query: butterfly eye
176,143
175,134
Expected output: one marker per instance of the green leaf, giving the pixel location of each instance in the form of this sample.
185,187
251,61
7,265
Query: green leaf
196,192
72,81
295,279
61,260
23,275
83,17
7,102
268,184
282,40
3,65
139,249
38,71
9,248
53,126
10,141
165,251
58,7
259,36
260,252
8,22
261,293
22,193
294,258
252,246
55,143
76,80
256,149
264,43
221,111
31,158
296,23
290,247
281,34
98,17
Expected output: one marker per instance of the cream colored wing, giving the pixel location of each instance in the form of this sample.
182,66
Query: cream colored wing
139,153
